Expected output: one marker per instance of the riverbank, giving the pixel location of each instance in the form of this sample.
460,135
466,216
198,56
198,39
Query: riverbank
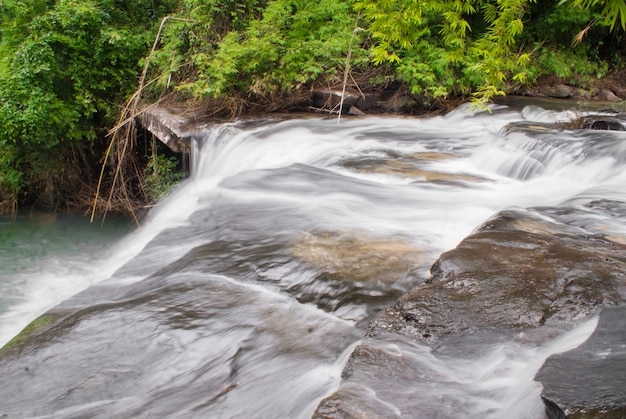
76,191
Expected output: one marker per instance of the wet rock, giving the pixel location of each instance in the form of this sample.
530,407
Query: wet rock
552,410
348,403
515,272
27,337
378,382
331,100
606,124
608,95
534,271
356,256
415,166
590,381
159,348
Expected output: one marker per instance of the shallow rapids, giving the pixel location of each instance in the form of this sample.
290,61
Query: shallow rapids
244,292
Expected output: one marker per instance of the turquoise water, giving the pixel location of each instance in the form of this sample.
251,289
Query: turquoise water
45,258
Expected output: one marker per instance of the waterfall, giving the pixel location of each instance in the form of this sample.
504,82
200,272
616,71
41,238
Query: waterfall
245,291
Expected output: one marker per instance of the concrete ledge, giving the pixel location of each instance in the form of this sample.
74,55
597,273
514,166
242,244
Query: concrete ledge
175,131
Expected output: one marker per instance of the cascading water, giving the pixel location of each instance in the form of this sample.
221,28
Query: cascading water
244,292
47,259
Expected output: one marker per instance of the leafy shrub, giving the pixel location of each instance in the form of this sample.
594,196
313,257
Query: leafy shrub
65,66
161,175
267,48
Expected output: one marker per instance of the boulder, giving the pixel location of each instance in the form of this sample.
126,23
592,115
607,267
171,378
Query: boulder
608,95
331,99
563,91
590,381
560,91
516,272
522,275
355,111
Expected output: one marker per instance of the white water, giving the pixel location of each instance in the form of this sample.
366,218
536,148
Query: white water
495,383
300,176
44,261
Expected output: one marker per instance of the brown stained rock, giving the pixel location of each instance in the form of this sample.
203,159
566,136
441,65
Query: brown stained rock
428,156
414,166
518,272
515,272
407,170
357,256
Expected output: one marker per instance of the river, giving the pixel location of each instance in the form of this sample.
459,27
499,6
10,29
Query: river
47,258
245,291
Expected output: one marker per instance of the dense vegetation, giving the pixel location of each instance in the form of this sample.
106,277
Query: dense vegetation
67,66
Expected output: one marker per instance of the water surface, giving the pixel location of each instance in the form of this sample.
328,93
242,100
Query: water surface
247,288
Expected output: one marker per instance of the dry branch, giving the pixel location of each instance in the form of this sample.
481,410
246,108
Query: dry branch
346,71
123,137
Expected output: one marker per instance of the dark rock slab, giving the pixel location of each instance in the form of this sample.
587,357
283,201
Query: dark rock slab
605,123
516,272
590,381
539,271
171,345
331,100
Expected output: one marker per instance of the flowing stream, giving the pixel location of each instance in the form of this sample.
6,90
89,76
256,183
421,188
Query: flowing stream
47,258
244,292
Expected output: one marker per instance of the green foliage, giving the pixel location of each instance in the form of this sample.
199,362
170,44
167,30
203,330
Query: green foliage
612,10
452,47
436,51
267,48
65,66
184,43
550,30
161,175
